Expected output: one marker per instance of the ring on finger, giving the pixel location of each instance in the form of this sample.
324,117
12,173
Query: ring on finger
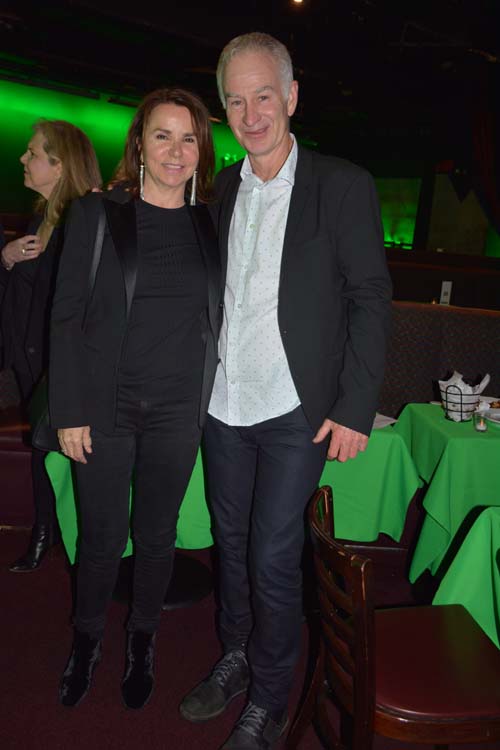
23,250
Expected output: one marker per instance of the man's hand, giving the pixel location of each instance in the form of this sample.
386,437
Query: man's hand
344,442
75,442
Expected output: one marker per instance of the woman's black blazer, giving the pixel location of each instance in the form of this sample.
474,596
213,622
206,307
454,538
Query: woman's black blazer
85,354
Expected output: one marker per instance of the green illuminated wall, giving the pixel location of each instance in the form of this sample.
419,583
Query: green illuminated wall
399,202
492,248
104,122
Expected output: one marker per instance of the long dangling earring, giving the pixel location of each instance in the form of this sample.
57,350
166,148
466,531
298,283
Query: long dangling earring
141,180
192,200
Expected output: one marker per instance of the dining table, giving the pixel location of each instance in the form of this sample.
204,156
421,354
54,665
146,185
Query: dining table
473,578
461,469
371,495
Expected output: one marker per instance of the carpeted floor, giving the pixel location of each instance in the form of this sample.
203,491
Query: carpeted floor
35,635
36,638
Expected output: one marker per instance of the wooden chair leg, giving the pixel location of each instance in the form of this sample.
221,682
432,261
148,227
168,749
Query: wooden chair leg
325,728
306,711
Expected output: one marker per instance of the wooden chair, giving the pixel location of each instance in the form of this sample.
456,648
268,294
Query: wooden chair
421,674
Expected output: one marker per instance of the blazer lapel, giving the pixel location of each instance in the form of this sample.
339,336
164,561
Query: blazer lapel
123,228
299,197
207,240
226,212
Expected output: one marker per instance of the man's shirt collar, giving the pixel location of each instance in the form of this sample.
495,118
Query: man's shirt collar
286,173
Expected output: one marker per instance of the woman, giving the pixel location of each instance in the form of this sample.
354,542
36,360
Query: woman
59,164
129,384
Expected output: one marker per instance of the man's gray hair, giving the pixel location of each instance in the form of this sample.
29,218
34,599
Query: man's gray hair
256,41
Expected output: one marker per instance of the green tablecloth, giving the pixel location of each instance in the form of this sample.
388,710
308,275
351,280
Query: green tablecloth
473,578
461,467
372,493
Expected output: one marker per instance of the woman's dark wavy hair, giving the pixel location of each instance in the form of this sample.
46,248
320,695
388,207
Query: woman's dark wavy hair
128,168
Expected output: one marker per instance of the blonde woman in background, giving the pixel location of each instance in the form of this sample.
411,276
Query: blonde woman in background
59,164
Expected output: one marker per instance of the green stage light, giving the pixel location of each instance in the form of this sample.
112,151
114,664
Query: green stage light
399,203
492,246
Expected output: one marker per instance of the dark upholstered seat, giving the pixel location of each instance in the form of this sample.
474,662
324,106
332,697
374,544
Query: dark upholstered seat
445,644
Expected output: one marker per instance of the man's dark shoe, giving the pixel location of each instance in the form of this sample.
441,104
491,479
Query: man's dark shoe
138,682
256,730
229,678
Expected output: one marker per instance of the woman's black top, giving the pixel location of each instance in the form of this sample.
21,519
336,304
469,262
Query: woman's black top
164,347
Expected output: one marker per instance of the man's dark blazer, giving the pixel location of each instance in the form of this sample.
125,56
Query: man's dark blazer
334,290
85,354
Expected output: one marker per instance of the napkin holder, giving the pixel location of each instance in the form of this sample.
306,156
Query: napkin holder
458,406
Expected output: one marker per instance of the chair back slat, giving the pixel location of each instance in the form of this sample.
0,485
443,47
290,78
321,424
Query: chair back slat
343,688
339,649
347,615
331,583
343,627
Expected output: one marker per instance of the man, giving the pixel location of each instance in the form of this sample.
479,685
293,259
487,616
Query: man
306,312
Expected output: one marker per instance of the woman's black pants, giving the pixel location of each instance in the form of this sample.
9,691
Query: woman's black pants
43,494
154,446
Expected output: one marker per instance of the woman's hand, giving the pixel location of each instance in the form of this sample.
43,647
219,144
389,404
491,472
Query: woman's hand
75,442
24,248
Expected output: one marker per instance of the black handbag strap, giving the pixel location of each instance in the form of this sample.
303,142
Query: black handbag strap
96,259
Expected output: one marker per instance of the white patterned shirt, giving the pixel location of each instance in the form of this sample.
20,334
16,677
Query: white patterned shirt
253,381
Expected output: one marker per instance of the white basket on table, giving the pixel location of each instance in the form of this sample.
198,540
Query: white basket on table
458,406
460,400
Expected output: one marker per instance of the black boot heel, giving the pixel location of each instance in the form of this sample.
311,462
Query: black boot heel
42,538
77,677
138,682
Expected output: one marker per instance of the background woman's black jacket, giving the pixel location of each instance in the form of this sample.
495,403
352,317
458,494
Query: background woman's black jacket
85,355
25,310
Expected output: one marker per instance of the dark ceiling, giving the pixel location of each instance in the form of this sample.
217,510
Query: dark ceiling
363,65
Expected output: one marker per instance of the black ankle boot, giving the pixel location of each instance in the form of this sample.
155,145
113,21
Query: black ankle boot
42,538
77,677
138,682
